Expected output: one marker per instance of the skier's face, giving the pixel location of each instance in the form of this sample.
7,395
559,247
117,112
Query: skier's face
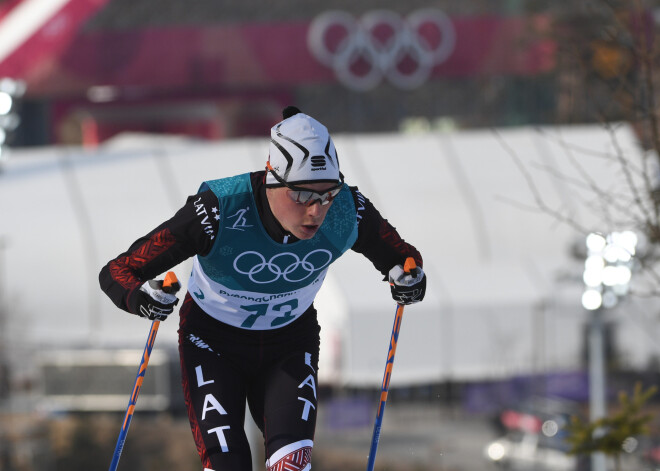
300,220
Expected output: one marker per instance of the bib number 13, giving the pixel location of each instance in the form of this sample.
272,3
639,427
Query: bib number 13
284,310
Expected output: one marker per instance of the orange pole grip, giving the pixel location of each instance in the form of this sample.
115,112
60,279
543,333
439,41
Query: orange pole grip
171,282
410,265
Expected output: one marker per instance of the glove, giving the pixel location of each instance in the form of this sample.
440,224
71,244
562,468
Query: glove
407,288
152,302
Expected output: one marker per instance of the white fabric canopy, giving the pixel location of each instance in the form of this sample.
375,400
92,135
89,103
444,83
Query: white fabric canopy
503,290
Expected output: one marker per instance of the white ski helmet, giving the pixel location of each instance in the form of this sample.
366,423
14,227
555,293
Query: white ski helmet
301,151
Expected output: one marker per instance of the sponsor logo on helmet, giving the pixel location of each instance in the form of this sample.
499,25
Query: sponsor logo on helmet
318,162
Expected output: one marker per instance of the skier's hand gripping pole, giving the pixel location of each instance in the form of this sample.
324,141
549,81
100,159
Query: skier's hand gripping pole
410,269
407,282
170,285
155,299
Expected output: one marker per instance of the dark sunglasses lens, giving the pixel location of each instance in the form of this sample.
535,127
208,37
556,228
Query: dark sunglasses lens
305,197
301,197
311,197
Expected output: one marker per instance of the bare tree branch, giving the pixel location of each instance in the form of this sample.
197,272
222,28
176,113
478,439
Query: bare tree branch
540,202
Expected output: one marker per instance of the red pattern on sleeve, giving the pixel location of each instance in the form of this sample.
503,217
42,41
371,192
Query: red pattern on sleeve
123,270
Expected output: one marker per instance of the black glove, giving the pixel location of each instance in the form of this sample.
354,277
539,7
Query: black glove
407,288
152,302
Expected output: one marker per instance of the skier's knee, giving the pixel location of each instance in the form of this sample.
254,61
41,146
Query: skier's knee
294,456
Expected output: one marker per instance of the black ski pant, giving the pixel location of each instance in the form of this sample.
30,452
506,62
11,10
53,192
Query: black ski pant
274,370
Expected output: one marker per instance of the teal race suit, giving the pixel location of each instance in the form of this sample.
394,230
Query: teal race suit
248,280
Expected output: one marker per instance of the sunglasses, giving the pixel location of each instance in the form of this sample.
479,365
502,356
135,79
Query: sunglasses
306,196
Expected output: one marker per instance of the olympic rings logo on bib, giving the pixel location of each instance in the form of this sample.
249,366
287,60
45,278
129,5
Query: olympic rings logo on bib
380,44
285,265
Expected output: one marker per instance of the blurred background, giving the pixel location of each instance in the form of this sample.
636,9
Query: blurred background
514,143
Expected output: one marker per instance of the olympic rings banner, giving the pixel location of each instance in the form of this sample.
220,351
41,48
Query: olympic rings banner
382,44
359,51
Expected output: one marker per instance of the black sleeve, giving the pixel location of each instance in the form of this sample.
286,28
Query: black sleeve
378,240
191,231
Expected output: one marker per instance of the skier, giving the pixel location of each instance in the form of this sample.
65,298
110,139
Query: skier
262,243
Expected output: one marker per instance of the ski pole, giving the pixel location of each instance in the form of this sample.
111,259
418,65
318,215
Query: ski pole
408,267
170,285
